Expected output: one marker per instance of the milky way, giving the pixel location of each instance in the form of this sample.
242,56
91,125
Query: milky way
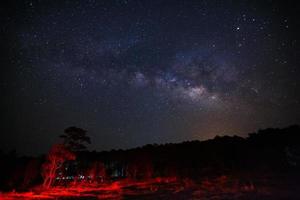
138,72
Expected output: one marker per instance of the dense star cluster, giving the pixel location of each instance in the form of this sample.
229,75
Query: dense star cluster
138,72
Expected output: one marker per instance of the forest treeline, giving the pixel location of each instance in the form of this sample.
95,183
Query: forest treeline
268,151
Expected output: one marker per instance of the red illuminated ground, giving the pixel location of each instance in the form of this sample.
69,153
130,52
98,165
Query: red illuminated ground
159,188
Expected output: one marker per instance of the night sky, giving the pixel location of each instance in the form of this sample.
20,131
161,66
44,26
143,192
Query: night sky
139,72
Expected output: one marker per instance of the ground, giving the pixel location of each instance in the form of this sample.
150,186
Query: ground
222,187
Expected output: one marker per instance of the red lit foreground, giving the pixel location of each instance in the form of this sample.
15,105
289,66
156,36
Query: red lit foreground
218,188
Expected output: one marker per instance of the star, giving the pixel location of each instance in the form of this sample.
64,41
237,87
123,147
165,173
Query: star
146,70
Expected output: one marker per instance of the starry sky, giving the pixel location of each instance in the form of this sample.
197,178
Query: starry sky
138,72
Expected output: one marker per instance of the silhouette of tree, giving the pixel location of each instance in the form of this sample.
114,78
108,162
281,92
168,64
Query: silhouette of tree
266,152
31,172
75,138
97,172
57,155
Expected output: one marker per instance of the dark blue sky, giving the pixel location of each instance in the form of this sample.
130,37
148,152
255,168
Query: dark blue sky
138,72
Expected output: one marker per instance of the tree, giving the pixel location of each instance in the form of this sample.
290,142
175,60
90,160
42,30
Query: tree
97,172
57,155
140,167
75,138
31,173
